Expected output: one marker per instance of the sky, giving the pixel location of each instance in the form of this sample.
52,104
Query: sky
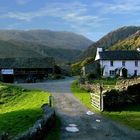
91,18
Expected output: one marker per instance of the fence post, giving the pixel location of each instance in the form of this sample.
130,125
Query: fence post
50,100
102,102
101,97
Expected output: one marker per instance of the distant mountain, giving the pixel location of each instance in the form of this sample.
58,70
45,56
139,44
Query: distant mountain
52,39
8,49
63,46
109,40
27,49
130,43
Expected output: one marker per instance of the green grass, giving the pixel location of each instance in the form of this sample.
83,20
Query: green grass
105,81
129,116
19,108
82,95
108,83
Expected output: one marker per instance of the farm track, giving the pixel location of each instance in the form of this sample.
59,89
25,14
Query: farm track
72,111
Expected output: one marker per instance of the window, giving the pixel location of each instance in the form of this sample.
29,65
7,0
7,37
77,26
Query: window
136,63
135,72
111,63
123,63
112,73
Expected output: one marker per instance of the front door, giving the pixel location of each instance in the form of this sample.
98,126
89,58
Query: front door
124,72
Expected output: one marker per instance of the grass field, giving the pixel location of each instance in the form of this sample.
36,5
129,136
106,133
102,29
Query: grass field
19,108
129,116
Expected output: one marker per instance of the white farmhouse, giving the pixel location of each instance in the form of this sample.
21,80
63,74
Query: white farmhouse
121,63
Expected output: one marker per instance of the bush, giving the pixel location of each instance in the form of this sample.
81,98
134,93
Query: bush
58,76
76,68
91,76
87,60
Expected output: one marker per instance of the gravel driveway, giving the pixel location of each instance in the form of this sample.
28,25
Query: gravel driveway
74,117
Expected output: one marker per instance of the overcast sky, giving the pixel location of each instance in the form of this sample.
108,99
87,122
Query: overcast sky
91,18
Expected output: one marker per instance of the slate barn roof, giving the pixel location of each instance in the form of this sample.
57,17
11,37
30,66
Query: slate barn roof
39,62
119,55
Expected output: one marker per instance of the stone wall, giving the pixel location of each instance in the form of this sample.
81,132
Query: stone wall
41,127
126,92
116,99
96,88
124,83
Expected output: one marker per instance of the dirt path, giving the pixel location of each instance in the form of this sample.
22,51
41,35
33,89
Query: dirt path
71,111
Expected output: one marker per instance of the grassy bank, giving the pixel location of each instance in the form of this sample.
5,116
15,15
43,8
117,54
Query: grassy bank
81,94
19,108
129,116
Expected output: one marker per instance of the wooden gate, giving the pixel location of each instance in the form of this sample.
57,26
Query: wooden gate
97,101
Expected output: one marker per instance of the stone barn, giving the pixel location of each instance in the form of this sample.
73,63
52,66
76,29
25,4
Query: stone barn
25,69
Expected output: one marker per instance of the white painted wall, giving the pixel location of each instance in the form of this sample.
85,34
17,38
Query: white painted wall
129,65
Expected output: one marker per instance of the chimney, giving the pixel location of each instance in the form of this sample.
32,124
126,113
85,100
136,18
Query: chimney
138,49
97,53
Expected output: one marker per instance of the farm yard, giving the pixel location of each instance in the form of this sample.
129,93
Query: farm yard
72,109
22,106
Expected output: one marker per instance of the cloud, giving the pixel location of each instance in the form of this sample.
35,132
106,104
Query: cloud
18,16
119,7
22,2
54,10
75,14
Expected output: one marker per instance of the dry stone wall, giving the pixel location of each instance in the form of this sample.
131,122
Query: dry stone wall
126,92
40,129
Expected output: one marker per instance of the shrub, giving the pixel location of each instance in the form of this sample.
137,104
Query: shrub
91,76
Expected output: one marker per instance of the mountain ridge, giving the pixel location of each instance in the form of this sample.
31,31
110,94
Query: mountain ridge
63,46
130,43
109,40
53,39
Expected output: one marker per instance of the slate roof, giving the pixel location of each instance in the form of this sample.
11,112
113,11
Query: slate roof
39,62
119,55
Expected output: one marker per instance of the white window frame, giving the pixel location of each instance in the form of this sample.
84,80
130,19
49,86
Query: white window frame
112,72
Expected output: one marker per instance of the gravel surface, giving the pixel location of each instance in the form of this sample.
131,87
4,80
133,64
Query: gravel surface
74,116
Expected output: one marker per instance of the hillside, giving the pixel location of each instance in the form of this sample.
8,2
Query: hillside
63,46
130,43
8,49
52,39
110,39
27,49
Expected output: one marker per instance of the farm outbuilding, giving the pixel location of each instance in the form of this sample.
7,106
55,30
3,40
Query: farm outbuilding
25,69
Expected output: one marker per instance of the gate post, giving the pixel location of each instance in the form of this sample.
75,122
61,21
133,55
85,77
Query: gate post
50,100
101,98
